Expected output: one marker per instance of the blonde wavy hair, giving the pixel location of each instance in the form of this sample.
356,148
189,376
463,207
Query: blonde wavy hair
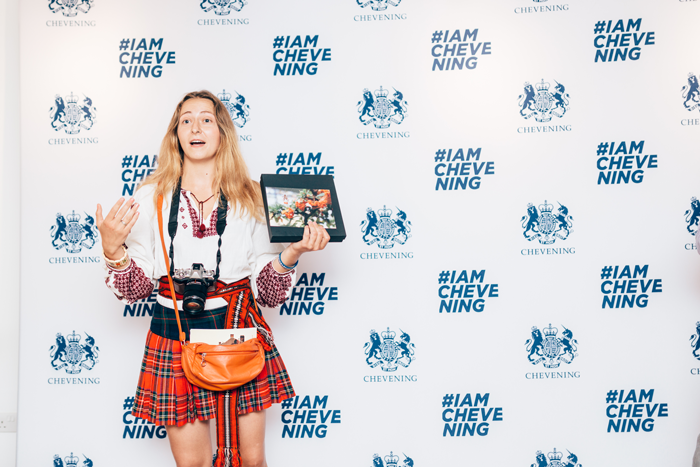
231,178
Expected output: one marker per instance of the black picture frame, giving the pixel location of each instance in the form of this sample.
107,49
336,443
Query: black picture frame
284,194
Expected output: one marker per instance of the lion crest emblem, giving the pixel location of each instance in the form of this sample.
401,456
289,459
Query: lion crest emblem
70,8
380,228
391,461
237,108
71,461
691,93
72,234
70,115
555,459
546,225
68,353
388,353
546,347
692,215
380,109
695,341
542,103
378,5
222,7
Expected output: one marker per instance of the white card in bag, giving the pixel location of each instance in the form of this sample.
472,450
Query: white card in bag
219,336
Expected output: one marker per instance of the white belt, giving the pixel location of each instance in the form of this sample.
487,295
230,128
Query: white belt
210,304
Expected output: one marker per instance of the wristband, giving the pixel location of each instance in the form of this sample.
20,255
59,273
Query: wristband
118,264
279,258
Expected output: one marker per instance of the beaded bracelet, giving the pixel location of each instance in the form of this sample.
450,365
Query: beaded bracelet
118,264
279,258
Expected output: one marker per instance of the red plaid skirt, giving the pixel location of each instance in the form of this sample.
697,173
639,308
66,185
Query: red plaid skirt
164,396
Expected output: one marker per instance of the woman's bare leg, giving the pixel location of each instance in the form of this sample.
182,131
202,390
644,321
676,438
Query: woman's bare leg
696,455
191,444
251,433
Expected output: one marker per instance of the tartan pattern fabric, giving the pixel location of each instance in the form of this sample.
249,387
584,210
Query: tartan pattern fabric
278,382
239,296
163,322
271,386
165,397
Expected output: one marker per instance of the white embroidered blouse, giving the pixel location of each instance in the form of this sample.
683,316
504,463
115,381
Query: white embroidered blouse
246,251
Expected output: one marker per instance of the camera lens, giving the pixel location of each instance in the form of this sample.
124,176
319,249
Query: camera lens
194,296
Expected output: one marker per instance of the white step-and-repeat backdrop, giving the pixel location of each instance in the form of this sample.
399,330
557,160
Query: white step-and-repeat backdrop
519,180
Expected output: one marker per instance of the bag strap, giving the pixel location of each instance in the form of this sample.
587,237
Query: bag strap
221,212
159,207
172,223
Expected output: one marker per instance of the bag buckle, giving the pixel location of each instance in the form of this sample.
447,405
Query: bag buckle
204,354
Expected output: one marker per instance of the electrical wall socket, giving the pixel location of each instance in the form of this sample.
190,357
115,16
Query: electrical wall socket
8,423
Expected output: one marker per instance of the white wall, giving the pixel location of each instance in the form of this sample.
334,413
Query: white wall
385,407
9,213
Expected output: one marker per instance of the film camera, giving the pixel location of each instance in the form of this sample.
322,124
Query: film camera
193,282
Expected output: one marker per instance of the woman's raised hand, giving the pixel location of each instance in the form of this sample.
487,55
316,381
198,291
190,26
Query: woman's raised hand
116,226
315,239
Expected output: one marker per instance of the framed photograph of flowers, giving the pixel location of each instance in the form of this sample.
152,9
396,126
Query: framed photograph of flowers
291,201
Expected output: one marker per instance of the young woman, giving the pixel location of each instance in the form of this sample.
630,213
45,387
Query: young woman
199,156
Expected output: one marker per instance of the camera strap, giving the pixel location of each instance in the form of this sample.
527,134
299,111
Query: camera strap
221,211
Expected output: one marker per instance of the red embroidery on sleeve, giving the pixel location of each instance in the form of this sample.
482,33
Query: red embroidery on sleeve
272,286
131,283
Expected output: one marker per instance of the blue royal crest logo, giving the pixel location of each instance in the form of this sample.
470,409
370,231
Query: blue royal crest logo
546,226
555,459
380,109
71,461
391,461
238,109
388,353
71,116
691,93
378,5
384,230
222,7
551,349
695,341
692,216
72,234
68,353
70,8
543,104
